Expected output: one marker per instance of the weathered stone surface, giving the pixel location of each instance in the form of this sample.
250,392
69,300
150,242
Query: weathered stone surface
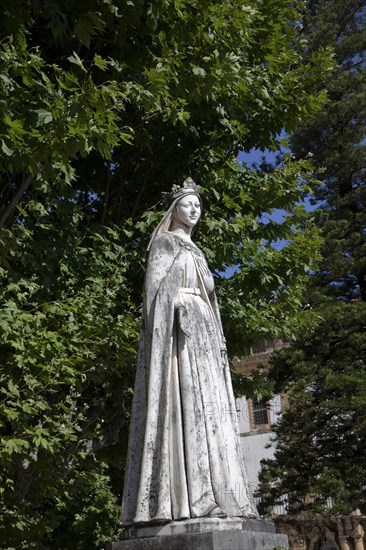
186,484
198,525
204,534
184,458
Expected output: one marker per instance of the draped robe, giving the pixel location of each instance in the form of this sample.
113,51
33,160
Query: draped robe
184,458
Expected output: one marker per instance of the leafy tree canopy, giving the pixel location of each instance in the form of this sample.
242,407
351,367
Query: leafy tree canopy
104,105
336,139
320,440
321,436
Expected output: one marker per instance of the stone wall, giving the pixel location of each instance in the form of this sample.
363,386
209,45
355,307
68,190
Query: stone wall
325,532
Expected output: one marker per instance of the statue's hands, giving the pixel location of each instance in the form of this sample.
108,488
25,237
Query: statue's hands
182,318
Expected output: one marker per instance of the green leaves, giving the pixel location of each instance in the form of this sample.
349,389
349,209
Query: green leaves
336,140
323,372
323,375
9,152
43,117
74,58
64,116
105,105
66,344
14,445
100,62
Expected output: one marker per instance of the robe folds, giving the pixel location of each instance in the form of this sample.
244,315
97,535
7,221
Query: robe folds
184,458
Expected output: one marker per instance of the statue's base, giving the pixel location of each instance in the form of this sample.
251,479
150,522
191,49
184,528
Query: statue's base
203,534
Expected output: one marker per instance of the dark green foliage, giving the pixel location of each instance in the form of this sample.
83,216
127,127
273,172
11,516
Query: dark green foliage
321,437
105,104
68,338
336,141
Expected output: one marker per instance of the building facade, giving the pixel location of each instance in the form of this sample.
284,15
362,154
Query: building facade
256,418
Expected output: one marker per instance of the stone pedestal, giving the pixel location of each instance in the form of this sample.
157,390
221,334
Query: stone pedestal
203,534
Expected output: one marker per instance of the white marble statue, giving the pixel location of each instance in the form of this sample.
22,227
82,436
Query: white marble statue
184,456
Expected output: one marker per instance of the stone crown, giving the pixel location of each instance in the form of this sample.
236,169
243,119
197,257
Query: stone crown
189,187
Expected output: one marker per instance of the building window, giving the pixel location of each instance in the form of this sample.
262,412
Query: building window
260,412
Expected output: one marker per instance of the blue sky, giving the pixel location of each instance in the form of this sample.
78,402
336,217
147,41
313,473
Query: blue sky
255,156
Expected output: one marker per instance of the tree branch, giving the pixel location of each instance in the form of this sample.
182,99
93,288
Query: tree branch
112,428
10,209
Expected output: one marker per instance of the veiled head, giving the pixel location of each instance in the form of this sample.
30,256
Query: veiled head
179,209
187,210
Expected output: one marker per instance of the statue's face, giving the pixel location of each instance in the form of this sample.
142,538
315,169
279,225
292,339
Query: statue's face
188,210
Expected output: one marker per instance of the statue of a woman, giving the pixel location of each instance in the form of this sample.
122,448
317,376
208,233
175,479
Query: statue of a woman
184,457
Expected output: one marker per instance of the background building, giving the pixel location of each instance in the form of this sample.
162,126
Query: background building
256,418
